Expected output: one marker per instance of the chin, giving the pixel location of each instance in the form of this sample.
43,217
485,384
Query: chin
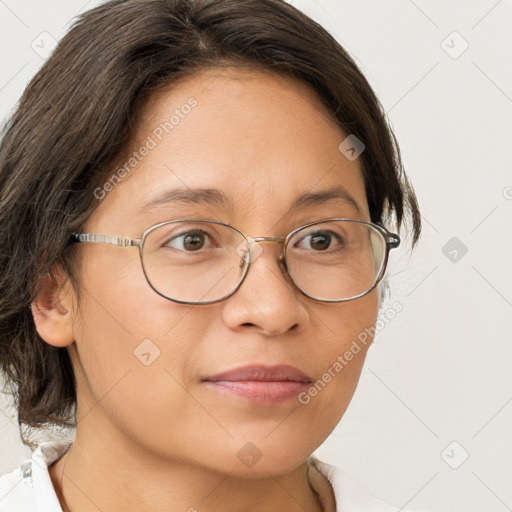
252,461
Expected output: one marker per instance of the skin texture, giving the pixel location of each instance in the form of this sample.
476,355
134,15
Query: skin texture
155,437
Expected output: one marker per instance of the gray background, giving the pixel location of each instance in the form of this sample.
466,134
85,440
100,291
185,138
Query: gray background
430,423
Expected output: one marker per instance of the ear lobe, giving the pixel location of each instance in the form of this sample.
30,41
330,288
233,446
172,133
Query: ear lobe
51,309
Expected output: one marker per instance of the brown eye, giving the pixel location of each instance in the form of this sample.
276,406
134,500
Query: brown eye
189,241
319,240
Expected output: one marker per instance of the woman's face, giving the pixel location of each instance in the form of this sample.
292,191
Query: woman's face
140,359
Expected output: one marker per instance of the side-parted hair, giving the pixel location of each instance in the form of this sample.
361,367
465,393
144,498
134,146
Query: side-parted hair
78,114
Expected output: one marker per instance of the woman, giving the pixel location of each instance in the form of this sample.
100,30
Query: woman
193,200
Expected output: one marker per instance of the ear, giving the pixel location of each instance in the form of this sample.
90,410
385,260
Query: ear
52,309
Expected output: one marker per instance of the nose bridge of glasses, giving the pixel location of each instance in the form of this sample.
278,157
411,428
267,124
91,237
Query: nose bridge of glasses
253,240
257,250
265,239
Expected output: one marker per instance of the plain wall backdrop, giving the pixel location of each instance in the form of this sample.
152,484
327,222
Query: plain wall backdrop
429,426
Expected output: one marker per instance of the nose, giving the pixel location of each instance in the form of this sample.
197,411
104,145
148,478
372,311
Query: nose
267,300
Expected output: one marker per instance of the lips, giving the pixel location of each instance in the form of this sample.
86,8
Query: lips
278,373
260,385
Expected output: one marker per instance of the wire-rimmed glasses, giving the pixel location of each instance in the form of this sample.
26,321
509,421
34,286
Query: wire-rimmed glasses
197,261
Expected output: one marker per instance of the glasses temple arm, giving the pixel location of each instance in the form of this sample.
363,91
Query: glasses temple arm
105,239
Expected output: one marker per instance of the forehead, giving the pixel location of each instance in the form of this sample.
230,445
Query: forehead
258,142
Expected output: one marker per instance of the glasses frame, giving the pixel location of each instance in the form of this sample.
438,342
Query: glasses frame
392,241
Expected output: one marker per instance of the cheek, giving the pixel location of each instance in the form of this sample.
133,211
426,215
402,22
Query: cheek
120,306
133,367
130,340
348,335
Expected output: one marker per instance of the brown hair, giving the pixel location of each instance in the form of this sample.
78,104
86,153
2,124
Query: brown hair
77,116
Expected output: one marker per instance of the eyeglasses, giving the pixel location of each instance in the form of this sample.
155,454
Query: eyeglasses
196,261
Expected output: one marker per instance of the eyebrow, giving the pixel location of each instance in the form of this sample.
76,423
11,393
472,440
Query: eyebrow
214,197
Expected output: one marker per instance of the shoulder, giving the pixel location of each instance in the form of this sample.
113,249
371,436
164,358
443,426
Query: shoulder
350,494
29,487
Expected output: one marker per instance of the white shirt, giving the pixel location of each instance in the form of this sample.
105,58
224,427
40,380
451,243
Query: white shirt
29,487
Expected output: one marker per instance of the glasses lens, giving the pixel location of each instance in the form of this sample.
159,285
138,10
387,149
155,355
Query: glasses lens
336,260
194,261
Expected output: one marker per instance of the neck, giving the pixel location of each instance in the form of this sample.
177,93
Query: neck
105,472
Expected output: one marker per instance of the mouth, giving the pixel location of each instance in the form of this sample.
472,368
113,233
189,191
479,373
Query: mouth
264,385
